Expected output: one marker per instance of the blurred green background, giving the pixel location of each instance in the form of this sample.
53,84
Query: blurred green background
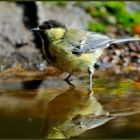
123,15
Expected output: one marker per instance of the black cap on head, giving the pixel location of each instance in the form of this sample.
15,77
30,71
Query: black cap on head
51,24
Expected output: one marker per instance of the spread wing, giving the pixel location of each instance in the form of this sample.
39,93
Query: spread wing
88,42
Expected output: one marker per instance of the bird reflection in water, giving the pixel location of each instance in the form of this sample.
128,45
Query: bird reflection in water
63,112
71,113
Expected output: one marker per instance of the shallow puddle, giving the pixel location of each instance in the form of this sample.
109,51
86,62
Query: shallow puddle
50,108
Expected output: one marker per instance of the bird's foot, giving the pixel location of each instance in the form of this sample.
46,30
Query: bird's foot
68,81
70,84
90,94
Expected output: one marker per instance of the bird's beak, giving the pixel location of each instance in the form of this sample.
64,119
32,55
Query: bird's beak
35,29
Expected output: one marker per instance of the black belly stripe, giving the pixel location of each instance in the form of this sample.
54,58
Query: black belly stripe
50,59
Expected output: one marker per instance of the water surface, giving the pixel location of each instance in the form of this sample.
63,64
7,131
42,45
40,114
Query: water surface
49,108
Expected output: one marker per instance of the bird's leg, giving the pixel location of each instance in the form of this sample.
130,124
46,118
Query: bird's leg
67,79
91,72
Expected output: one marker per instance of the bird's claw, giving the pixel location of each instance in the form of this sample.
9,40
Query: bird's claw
90,94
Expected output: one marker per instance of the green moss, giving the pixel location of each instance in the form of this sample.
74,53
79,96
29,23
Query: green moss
57,3
97,27
128,20
115,7
62,3
108,13
97,10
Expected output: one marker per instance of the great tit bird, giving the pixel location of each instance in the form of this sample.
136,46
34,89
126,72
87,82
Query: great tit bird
73,50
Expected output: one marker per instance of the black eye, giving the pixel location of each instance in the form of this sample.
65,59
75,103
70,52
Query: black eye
49,26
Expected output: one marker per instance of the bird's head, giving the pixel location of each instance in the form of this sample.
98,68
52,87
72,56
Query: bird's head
51,28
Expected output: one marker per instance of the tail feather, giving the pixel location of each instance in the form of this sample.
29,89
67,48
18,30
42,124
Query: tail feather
116,41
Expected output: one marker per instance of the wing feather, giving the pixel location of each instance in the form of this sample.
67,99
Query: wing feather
88,42
93,41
